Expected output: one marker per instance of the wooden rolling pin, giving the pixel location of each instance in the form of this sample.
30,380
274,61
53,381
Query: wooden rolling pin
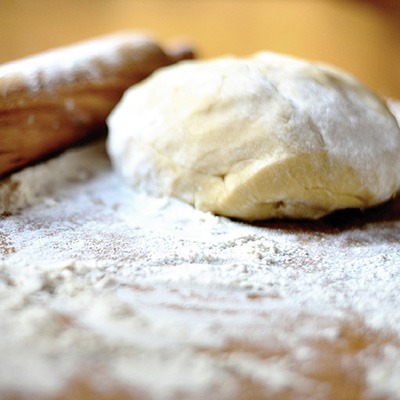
59,98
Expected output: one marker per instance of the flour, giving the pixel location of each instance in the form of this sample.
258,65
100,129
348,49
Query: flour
106,286
83,61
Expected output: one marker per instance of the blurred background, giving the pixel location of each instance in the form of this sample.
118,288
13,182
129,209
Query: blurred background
362,37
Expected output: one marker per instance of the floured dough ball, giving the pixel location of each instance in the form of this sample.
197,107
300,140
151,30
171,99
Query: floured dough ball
263,137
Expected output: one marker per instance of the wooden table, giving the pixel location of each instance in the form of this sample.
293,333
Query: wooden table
260,327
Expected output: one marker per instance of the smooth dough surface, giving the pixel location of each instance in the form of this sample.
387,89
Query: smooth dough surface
267,136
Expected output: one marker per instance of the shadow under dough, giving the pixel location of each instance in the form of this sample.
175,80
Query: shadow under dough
342,220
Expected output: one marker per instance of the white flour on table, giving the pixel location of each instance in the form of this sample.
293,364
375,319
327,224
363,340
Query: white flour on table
100,282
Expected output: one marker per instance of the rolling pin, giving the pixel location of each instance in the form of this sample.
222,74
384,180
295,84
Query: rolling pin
59,98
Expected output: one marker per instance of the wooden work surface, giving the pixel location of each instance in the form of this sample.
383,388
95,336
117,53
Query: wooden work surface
109,296
106,294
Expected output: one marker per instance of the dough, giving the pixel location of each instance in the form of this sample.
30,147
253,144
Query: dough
55,99
269,136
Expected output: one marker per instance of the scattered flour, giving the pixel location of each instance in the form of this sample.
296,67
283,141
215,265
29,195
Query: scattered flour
108,286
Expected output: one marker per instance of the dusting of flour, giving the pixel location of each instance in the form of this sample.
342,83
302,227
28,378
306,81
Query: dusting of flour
103,284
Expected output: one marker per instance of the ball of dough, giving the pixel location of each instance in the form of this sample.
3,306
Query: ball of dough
268,136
